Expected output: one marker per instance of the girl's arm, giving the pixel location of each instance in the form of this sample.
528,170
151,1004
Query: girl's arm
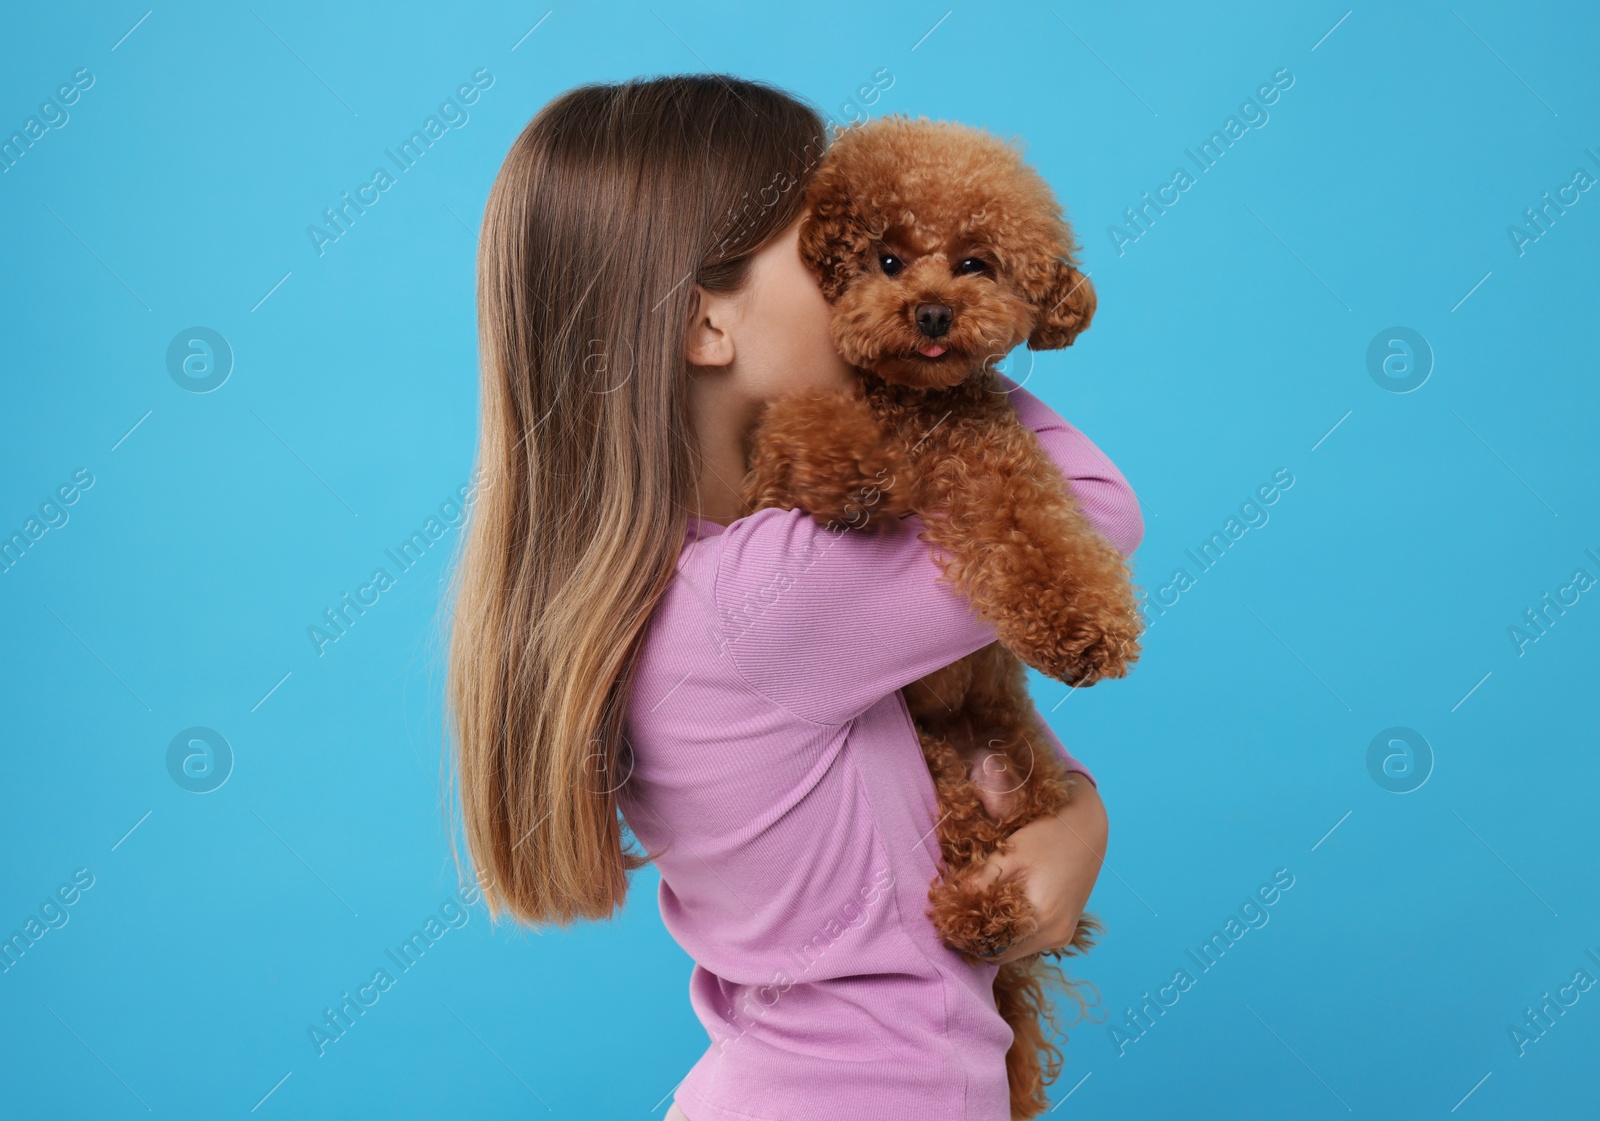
1053,742
1059,859
825,623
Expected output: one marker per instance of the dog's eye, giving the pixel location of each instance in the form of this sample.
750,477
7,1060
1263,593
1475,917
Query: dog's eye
972,266
890,264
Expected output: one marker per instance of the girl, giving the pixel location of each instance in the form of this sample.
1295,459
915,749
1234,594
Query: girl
627,647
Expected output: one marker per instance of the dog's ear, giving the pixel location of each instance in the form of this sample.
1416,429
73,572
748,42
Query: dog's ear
834,239
1065,304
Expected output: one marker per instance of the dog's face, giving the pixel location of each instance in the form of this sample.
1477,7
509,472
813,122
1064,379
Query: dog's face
940,251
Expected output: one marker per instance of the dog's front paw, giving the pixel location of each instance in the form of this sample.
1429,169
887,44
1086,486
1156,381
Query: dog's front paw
1106,651
826,453
1073,641
1073,614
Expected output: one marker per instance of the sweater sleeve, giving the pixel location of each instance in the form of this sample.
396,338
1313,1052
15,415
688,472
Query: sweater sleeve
825,622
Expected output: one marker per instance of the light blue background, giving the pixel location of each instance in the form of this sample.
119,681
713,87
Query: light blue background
1231,337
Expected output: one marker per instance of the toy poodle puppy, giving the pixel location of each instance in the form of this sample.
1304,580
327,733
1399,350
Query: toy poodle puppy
940,250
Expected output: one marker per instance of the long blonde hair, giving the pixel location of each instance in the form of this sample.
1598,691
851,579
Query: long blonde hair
611,205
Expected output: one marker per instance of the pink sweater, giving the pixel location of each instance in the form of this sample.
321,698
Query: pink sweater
777,773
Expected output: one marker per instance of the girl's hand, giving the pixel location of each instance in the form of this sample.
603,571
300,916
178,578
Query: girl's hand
1059,857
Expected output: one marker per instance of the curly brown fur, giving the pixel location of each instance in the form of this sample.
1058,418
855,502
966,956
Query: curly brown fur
850,481
994,734
993,727
1010,535
974,233
935,194
940,251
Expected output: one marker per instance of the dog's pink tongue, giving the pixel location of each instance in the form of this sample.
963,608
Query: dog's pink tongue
932,350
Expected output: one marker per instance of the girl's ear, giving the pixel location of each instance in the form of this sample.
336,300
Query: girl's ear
1064,305
708,341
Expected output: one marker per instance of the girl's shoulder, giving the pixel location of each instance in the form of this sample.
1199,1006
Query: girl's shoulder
827,621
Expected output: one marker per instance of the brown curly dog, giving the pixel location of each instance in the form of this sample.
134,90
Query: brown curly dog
940,251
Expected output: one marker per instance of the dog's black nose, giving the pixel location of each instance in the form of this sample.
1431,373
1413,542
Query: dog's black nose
933,320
